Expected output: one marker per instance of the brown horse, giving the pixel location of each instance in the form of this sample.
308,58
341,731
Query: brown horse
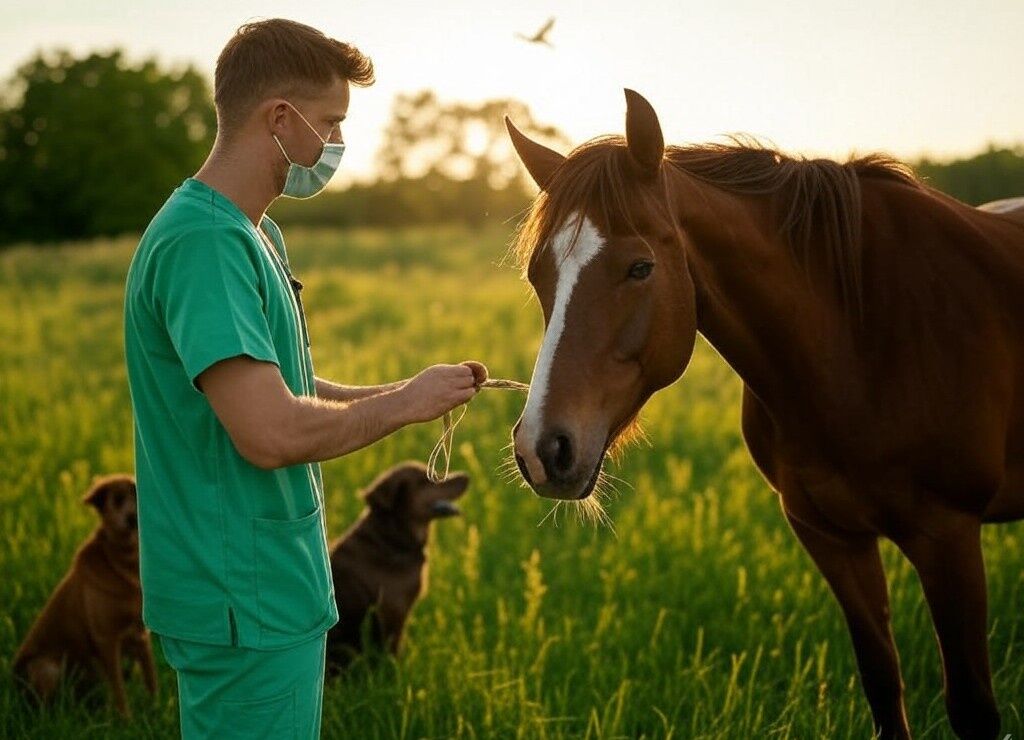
877,325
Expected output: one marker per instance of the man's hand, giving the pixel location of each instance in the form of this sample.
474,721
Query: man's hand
441,388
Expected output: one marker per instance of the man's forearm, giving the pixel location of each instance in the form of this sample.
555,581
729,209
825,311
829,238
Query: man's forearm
336,392
322,430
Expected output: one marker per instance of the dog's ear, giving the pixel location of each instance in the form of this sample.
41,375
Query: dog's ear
390,488
385,493
97,493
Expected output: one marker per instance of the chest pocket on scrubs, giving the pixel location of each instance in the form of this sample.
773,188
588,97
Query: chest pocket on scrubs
293,580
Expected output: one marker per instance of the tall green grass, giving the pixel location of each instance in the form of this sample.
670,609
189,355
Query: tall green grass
696,616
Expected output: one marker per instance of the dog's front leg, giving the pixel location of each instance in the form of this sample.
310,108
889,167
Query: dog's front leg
393,624
110,660
144,652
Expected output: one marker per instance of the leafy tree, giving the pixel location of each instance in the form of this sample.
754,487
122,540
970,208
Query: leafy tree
995,173
457,141
93,146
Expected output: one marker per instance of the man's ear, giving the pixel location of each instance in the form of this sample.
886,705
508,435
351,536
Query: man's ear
97,493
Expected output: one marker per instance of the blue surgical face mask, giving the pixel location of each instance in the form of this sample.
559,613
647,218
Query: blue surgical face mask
305,182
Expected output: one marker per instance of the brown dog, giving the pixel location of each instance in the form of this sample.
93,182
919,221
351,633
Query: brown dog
95,613
380,563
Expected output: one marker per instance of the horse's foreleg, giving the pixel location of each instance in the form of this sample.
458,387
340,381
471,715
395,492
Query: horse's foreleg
952,574
853,569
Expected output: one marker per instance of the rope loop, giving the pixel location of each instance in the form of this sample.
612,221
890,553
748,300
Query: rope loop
444,445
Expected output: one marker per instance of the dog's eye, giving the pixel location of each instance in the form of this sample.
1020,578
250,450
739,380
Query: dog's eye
118,499
640,270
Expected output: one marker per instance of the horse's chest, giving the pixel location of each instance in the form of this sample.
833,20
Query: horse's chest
816,492
818,496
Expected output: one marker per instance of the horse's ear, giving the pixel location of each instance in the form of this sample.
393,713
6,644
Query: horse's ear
643,134
540,161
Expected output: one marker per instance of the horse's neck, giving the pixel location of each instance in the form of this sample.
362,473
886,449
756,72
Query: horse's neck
937,278
754,305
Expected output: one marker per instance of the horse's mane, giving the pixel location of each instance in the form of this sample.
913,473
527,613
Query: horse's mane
816,202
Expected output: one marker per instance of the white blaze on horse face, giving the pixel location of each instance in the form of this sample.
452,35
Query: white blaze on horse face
570,261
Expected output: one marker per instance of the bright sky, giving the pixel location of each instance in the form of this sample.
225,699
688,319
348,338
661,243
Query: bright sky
813,76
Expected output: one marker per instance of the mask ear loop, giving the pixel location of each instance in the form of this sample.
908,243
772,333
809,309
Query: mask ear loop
279,146
315,132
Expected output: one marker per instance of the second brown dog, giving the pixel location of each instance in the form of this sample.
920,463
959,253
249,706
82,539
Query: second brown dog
94,617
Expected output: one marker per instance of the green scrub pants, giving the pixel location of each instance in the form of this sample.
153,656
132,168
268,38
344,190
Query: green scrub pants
236,692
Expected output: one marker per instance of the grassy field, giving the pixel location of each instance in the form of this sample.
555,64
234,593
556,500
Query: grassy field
698,615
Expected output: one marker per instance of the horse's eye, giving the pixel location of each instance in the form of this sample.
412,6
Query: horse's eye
640,269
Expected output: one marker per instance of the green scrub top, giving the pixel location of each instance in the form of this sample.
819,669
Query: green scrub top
229,553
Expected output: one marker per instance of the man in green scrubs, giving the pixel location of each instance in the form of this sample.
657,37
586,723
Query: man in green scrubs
230,420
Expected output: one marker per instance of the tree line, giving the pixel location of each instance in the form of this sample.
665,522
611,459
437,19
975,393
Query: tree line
92,145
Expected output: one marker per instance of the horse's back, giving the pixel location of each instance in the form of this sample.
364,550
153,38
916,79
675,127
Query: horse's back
1010,207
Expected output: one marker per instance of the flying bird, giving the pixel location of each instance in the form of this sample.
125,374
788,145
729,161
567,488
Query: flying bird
541,37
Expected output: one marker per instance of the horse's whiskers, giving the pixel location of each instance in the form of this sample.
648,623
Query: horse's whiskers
512,477
617,479
552,514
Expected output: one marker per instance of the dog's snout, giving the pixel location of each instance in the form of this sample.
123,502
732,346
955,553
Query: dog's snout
555,451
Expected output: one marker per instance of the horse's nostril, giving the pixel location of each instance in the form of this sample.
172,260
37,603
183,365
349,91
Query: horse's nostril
563,454
555,452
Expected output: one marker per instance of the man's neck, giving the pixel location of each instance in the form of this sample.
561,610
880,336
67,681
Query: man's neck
249,186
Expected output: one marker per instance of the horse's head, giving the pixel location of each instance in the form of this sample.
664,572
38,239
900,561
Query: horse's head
604,252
